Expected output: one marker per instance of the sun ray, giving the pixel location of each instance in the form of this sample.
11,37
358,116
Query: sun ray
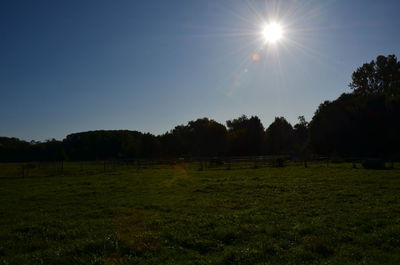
274,31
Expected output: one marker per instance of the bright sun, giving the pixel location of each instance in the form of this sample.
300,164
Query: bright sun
272,32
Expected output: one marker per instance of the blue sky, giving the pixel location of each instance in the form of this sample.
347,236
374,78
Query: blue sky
70,66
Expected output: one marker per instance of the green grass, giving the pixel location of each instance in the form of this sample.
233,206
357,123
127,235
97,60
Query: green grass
180,215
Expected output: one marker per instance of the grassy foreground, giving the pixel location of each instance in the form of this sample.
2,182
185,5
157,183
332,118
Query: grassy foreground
179,215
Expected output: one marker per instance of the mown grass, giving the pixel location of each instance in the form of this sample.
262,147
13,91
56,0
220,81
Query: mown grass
180,215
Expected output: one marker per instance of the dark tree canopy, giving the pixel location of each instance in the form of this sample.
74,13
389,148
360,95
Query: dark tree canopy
379,76
105,145
202,137
208,137
300,134
279,137
245,136
13,149
356,125
364,123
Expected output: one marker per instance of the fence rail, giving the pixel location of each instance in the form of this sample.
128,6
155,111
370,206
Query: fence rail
56,168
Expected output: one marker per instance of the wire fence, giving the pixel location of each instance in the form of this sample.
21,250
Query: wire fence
57,168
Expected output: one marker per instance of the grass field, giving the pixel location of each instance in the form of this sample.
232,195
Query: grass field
179,215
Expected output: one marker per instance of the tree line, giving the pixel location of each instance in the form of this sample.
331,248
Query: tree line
362,123
244,136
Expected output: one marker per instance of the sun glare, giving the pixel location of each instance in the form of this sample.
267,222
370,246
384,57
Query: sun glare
272,32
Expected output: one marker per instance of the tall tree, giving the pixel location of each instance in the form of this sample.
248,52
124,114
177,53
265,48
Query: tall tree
379,76
300,133
202,137
279,137
245,136
208,137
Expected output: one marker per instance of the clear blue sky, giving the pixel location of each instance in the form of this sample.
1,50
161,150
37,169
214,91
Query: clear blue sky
70,66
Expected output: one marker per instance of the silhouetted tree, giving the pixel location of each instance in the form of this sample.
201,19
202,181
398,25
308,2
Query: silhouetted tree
14,149
51,150
245,136
379,76
300,135
177,141
357,125
208,137
149,146
202,137
103,144
279,137
363,123
301,131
